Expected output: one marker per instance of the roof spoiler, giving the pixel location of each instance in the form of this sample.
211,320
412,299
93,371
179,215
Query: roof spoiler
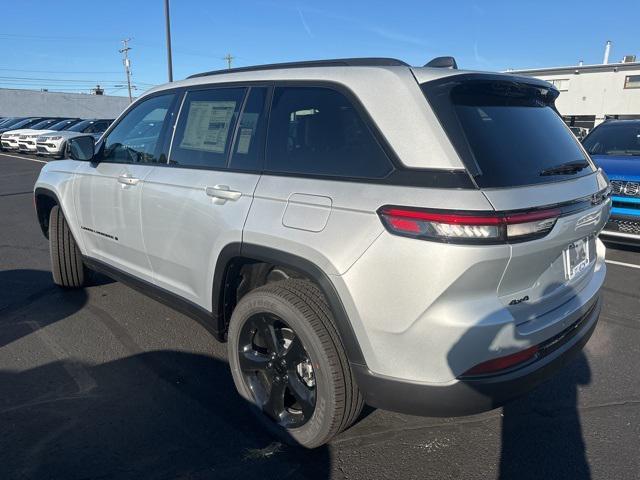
443,62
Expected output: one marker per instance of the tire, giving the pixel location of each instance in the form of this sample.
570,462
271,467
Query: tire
66,261
300,306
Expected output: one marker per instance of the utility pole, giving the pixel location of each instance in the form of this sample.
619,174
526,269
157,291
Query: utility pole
229,58
127,64
168,29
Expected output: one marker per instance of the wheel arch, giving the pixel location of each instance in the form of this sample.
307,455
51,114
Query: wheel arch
44,201
236,255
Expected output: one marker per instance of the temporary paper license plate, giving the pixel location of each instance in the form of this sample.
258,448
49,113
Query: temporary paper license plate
576,258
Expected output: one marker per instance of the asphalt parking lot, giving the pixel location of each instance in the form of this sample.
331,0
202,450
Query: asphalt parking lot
106,383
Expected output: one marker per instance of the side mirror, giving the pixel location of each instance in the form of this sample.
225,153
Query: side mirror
81,148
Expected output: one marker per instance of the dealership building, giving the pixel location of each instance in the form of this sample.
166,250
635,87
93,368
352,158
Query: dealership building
591,94
33,103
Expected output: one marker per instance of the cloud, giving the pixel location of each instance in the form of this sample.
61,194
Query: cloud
380,31
304,22
480,60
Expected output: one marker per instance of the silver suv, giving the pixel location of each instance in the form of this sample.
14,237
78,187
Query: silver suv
422,240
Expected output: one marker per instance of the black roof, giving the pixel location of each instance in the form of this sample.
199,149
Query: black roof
338,62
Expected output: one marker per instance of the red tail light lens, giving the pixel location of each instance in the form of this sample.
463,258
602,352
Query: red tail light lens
503,363
489,227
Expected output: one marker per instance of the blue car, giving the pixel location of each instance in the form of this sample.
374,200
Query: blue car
615,147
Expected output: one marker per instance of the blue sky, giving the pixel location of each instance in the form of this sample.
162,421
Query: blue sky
69,45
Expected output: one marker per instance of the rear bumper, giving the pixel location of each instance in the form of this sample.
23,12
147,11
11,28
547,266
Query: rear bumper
469,396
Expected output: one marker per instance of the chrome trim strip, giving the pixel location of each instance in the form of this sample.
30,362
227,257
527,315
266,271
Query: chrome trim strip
619,234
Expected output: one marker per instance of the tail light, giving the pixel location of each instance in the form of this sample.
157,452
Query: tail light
482,228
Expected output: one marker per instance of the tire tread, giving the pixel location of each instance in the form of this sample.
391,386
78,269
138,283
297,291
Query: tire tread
67,267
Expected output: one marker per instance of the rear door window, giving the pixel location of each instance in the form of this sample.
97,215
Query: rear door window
318,131
507,132
205,127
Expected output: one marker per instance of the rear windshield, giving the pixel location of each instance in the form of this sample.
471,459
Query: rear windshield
614,139
506,132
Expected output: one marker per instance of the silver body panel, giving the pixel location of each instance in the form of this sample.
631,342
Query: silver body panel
421,311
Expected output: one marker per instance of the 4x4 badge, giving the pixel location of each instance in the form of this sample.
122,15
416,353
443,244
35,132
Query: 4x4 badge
516,301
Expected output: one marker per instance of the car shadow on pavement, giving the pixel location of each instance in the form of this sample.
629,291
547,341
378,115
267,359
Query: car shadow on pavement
541,432
21,288
160,414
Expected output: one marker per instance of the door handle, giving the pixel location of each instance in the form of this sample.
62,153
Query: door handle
127,180
223,192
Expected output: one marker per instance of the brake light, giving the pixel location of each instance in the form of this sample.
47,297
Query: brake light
503,363
451,227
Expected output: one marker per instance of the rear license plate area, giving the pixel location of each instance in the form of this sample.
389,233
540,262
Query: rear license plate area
576,258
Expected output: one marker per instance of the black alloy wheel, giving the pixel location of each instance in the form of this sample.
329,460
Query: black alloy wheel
277,370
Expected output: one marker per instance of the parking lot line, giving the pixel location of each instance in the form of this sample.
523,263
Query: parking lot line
623,264
23,158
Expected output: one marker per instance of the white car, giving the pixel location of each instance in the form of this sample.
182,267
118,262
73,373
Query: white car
54,143
27,140
10,139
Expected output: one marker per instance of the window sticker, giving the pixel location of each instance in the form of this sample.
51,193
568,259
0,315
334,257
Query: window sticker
244,142
248,126
208,124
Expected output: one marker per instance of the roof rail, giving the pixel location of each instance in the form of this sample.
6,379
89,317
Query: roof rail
338,62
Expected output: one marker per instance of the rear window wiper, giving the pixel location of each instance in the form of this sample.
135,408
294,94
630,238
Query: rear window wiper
565,168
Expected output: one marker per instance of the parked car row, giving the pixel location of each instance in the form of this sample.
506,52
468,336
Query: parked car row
47,135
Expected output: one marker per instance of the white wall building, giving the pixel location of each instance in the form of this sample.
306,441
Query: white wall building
590,94
26,103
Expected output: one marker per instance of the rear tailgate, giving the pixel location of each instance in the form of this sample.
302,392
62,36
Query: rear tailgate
540,275
525,159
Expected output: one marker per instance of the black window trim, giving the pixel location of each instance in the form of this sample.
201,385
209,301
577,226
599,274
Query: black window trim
458,179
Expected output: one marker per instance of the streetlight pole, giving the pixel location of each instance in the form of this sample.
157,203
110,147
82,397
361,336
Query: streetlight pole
168,29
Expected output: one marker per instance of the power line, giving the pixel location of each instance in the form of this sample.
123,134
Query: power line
50,37
70,80
75,80
50,71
